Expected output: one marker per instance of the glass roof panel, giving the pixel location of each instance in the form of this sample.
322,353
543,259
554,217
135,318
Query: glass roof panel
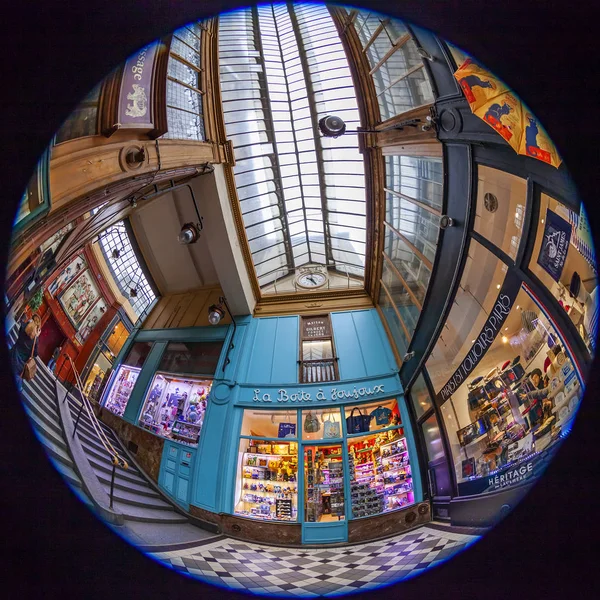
283,67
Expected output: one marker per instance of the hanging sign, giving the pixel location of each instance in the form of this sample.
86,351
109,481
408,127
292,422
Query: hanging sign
135,100
555,245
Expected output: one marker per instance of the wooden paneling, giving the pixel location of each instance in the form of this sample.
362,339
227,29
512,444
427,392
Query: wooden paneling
188,309
314,304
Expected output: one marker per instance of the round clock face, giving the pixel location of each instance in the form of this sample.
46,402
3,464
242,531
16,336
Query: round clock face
311,280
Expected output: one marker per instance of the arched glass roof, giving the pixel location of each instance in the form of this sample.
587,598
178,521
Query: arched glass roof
302,196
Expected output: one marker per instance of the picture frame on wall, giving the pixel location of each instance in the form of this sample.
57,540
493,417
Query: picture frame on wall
78,299
67,275
91,320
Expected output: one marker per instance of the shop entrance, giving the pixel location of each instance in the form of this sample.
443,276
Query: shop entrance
51,337
324,498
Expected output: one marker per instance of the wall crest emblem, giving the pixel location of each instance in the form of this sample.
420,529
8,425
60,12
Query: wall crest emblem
139,104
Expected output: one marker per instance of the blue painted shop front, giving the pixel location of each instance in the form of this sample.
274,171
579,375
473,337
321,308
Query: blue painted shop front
258,391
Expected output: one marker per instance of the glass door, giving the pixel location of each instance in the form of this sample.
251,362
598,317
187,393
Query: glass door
324,475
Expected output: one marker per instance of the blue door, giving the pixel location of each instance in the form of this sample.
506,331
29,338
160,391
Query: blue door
324,514
175,472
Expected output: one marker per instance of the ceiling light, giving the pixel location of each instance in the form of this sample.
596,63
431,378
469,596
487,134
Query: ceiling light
504,339
472,341
189,234
518,307
133,293
506,328
116,253
215,314
498,286
542,221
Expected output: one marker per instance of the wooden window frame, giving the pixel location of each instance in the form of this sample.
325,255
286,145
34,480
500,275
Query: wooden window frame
327,338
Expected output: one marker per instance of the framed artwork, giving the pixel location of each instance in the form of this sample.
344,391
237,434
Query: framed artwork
67,275
79,297
91,320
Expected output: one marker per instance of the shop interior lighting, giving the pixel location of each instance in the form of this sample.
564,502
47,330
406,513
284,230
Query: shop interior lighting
215,313
504,339
498,286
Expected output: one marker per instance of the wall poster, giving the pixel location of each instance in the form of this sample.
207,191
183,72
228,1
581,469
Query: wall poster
79,297
91,320
66,276
553,253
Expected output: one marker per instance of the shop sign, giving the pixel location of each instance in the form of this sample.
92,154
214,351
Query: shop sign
315,327
334,394
481,345
508,476
553,253
135,107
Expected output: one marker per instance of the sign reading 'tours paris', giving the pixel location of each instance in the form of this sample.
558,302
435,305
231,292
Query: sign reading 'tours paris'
485,339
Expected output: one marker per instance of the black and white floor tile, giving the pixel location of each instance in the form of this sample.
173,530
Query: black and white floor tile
313,572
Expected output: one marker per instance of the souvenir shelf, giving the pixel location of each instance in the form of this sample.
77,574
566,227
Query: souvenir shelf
268,487
121,390
188,433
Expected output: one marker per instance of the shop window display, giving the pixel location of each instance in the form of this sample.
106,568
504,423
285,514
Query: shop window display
318,424
175,407
262,423
419,396
380,475
476,296
267,482
567,269
125,378
372,417
516,402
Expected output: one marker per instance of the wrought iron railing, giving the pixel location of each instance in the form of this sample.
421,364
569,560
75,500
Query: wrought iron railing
116,459
317,371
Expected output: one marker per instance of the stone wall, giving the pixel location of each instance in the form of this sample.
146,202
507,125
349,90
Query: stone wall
149,447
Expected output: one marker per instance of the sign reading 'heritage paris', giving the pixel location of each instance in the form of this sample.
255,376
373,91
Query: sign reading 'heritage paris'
335,395
553,253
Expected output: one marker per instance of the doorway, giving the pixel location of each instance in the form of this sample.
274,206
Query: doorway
51,337
324,496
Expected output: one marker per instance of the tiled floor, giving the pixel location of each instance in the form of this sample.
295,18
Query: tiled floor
312,572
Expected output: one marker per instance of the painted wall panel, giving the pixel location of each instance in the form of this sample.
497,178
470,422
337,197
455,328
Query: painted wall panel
351,363
261,359
285,349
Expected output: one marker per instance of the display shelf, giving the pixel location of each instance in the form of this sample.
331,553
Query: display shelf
395,441
476,440
395,454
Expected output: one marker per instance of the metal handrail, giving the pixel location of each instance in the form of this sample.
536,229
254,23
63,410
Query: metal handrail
116,459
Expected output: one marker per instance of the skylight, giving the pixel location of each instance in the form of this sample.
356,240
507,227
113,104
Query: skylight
302,196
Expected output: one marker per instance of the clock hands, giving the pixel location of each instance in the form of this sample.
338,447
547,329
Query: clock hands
311,278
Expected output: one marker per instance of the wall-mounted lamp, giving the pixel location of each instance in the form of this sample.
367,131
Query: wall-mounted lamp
190,232
116,253
332,126
216,312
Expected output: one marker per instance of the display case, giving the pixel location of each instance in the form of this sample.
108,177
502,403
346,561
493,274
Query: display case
323,484
120,391
267,484
380,474
175,407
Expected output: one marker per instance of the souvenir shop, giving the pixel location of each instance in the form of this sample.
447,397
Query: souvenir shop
504,420
324,465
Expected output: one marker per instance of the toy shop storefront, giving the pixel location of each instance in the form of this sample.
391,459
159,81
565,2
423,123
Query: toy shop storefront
325,461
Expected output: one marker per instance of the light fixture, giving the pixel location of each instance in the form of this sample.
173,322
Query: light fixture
504,339
542,221
332,126
518,307
472,341
498,286
215,313
506,328
190,232
133,292
116,253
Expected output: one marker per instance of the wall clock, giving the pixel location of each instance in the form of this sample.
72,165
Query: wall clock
311,280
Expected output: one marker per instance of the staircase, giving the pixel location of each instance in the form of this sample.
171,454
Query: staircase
135,496
40,401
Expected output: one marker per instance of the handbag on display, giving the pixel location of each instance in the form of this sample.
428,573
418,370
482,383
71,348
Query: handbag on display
30,367
286,429
331,428
311,423
358,423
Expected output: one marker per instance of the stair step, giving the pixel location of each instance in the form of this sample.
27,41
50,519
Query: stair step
93,443
142,489
84,422
92,452
68,473
148,515
130,497
107,468
39,425
39,397
55,451
49,422
45,390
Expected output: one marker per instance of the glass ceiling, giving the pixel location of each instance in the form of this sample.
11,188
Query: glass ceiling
302,196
